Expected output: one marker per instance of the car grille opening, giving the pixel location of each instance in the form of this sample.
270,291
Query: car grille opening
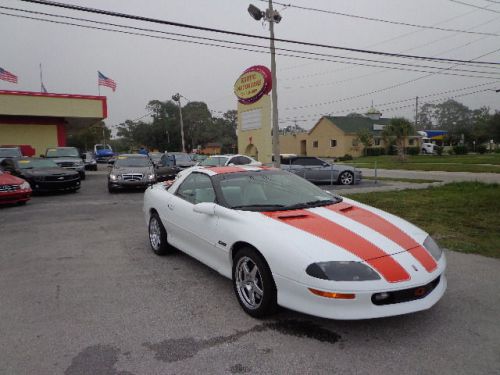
66,164
132,177
405,295
59,178
7,188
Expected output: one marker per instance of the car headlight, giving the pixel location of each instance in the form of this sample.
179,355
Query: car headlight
78,163
342,271
151,177
433,248
113,177
25,185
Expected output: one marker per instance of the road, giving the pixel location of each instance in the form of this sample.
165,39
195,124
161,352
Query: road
81,293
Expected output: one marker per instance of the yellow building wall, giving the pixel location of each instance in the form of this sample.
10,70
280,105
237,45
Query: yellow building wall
325,131
256,142
291,143
39,137
26,105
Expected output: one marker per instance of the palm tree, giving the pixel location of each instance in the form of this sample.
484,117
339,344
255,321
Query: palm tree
399,129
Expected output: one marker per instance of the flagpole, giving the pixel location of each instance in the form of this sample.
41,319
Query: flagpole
98,86
41,78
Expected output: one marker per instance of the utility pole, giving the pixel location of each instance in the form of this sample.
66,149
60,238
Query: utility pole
274,92
271,16
416,112
177,98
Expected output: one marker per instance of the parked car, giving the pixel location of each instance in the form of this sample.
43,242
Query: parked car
155,157
283,240
13,189
43,174
89,161
319,171
224,160
10,152
67,157
172,163
26,150
131,171
103,153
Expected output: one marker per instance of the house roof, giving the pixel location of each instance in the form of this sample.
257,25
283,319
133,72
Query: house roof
355,124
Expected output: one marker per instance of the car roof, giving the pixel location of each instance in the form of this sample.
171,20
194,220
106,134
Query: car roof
212,171
133,155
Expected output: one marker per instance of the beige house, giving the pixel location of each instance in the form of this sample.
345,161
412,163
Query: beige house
336,136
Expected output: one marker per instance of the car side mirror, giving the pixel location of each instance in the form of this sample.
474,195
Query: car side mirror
206,208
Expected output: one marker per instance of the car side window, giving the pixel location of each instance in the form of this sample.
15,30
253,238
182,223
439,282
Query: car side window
197,188
239,160
307,161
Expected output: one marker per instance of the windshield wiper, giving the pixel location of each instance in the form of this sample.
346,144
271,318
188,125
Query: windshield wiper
316,203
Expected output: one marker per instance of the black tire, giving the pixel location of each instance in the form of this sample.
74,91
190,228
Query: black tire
264,304
158,236
111,190
346,178
82,176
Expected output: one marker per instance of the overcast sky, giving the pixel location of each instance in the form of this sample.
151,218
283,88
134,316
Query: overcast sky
146,68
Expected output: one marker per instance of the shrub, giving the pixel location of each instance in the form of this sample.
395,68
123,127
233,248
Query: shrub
374,151
439,150
481,149
460,150
345,157
413,150
497,151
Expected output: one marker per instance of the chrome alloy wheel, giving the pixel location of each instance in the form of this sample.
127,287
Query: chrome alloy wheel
346,178
154,233
249,283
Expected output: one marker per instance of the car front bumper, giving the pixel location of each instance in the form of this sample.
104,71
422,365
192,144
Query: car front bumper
120,184
296,296
15,196
47,186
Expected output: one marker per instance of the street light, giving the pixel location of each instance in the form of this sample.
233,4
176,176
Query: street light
272,16
177,98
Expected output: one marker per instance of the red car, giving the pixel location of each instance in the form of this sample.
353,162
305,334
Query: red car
13,189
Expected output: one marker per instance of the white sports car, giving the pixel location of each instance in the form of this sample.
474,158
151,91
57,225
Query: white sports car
284,241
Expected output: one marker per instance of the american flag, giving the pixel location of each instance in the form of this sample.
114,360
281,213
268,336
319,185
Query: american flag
105,81
7,76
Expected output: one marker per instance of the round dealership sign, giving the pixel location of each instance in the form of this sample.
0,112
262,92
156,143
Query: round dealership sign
255,82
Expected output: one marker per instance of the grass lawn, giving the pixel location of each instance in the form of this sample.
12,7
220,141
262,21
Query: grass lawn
461,216
449,163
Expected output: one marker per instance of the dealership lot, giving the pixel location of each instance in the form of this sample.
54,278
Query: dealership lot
82,293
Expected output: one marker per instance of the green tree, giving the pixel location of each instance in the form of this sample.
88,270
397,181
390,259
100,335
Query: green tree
365,136
399,129
85,139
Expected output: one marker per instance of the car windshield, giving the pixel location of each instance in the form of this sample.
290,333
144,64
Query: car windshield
36,163
102,147
215,161
132,161
9,152
183,158
270,190
155,156
62,152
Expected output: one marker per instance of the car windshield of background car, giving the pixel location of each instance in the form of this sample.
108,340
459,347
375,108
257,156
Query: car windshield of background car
9,153
183,158
214,161
124,161
62,152
266,191
36,164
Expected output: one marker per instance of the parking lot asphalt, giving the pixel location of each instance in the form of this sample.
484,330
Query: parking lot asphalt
82,293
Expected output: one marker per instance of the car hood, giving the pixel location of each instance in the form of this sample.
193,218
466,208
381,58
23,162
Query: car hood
48,172
8,179
347,231
141,170
185,164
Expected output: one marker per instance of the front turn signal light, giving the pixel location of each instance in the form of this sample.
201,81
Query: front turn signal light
332,295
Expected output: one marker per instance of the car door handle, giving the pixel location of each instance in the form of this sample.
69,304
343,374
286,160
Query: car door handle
170,206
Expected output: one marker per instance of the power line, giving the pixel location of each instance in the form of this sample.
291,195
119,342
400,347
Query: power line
475,6
349,60
399,101
235,33
383,20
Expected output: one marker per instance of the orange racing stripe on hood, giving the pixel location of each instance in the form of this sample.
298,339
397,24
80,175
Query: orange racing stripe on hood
389,230
336,234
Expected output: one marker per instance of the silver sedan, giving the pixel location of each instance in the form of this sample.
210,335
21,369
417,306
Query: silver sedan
319,171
